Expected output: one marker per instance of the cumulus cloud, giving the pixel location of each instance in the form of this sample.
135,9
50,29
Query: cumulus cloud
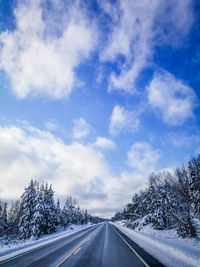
40,55
171,97
103,142
143,158
137,26
122,120
33,154
81,128
80,170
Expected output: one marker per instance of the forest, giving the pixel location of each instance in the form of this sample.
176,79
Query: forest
167,202
36,214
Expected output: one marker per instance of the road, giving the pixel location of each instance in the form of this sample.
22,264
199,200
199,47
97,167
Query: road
99,246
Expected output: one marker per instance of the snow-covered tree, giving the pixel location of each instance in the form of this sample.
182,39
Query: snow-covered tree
58,214
13,219
3,219
194,184
38,214
49,209
27,209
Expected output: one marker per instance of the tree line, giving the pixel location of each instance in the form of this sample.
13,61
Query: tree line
36,213
168,201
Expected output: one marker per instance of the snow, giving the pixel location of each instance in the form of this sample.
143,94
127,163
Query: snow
17,247
165,245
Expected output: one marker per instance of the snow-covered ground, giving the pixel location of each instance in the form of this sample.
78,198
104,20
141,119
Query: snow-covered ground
165,245
17,247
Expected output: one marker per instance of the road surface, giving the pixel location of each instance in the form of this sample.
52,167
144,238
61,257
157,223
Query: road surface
99,246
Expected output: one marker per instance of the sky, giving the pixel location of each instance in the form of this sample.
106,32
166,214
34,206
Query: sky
96,95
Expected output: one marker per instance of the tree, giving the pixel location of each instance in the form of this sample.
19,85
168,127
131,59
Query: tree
49,209
194,184
27,206
13,220
58,215
4,220
38,214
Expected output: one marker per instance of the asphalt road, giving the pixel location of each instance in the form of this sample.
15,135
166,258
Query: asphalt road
99,246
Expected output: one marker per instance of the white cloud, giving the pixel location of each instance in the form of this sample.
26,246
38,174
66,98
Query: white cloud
41,54
137,26
103,142
81,128
33,154
52,125
76,169
143,158
174,100
122,120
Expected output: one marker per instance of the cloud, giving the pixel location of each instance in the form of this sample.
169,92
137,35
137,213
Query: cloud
76,169
122,120
103,142
136,28
52,125
81,128
33,154
143,158
40,55
171,97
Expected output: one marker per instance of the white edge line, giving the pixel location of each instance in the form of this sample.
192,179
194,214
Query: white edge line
144,262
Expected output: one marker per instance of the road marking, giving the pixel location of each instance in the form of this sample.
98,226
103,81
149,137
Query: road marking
144,262
37,247
76,249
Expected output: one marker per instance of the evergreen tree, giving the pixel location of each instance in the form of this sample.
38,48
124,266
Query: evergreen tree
1,222
27,205
38,214
85,217
49,209
13,219
194,184
58,215
4,220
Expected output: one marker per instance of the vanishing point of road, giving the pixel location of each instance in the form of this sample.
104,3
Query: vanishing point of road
102,245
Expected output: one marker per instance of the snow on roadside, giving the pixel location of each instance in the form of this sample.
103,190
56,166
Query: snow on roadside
18,247
165,245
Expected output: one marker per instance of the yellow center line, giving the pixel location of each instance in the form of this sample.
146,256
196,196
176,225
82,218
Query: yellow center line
76,249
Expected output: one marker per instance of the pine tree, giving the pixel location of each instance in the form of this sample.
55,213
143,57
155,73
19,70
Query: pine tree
38,214
158,215
49,209
85,217
58,215
27,205
1,222
194,184
4,220
13,220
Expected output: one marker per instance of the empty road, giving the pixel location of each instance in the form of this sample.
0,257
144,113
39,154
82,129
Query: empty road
99,246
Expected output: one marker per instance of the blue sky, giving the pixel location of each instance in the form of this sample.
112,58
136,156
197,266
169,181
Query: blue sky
96,95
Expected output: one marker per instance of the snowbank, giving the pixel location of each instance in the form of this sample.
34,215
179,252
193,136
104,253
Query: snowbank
165,245
18,247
